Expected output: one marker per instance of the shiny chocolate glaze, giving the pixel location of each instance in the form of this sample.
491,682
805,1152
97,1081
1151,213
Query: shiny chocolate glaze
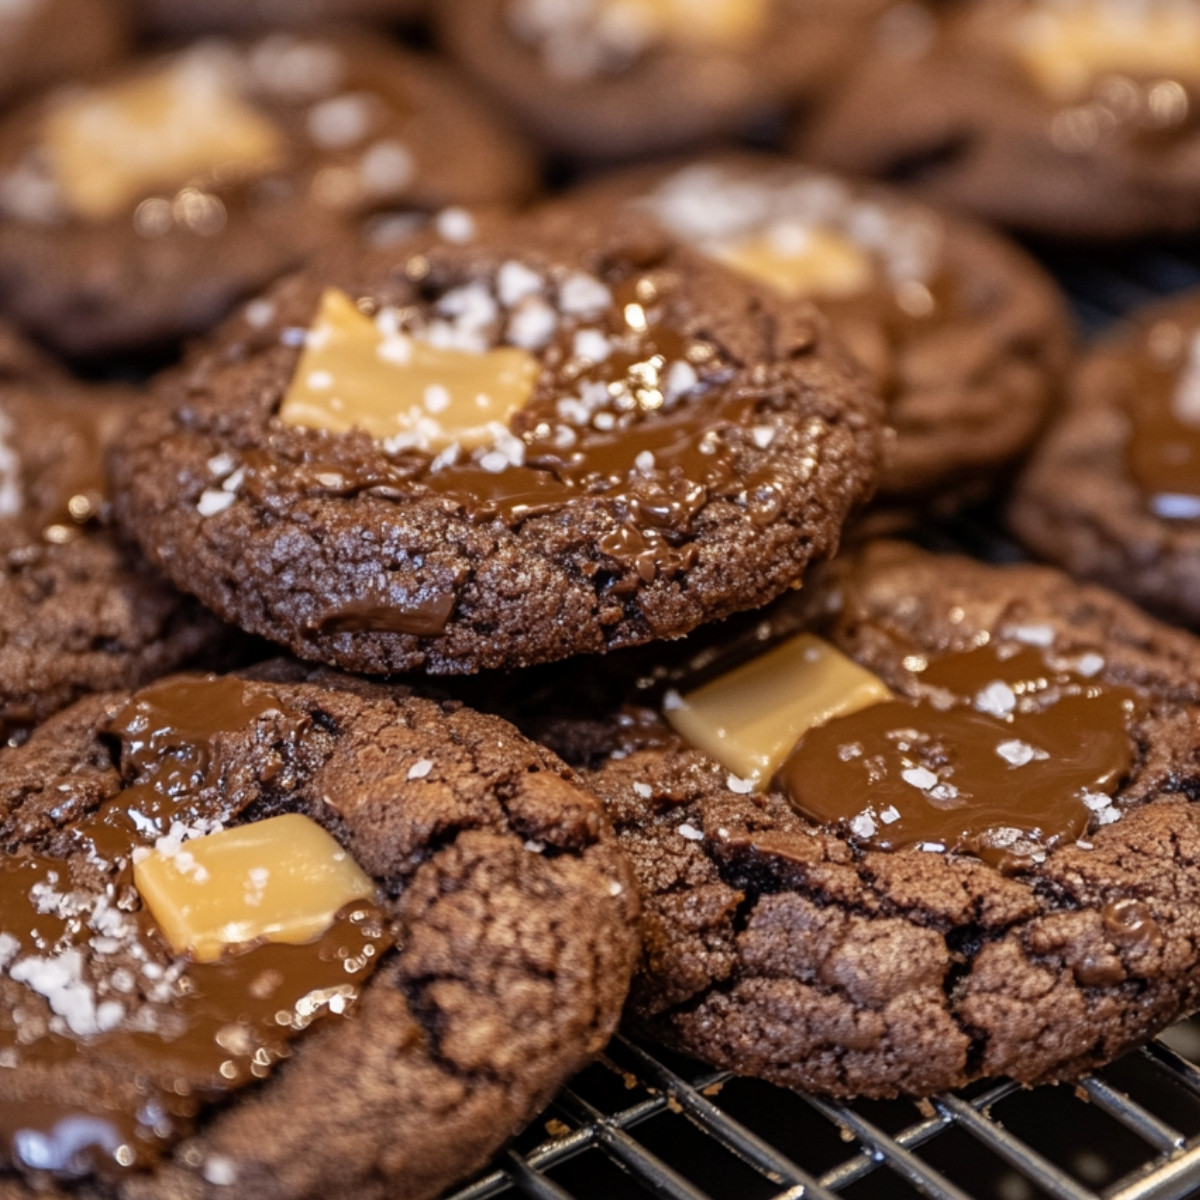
1001,757
651,457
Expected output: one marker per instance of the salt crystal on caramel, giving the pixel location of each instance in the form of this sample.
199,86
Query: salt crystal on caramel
354,375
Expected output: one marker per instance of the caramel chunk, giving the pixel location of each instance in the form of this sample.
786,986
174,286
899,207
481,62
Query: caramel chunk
697,22
107,148
750,719
799,261
282,880
352,375
1067,47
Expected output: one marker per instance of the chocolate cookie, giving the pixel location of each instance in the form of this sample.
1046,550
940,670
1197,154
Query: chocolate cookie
951,837
964,334
1071,117
79,612
142,208
609,78
43,41
1111,494
502,452
285,935
184,17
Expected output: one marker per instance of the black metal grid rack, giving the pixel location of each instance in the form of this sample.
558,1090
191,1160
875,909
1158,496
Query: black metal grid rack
643,1123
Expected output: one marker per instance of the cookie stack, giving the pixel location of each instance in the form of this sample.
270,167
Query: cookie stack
525,553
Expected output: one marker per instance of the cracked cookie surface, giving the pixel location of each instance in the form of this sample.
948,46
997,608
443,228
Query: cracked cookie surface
783,949
509,908
686,447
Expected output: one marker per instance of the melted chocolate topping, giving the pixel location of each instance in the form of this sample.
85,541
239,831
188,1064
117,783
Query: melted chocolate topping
652,455
1000,757
180,1033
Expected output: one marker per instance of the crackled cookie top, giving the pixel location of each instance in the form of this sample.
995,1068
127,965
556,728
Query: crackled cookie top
502,431
606,79
1072,117
926,822
204,882
79,612
1111,494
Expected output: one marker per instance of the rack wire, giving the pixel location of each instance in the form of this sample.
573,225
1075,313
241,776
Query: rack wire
645,1123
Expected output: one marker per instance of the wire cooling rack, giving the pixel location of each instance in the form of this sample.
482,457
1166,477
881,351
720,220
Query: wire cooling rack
644,1123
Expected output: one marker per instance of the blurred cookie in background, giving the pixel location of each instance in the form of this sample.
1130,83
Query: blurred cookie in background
1077,118
1113,492
185,17
965,335
79,612
138,209
42,41
602,79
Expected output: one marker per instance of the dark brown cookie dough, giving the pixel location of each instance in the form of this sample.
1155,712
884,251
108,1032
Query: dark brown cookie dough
609,78
1075,118
79,611
813,957
43,41
1111,493
486,959
965,335
143,208
685,447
